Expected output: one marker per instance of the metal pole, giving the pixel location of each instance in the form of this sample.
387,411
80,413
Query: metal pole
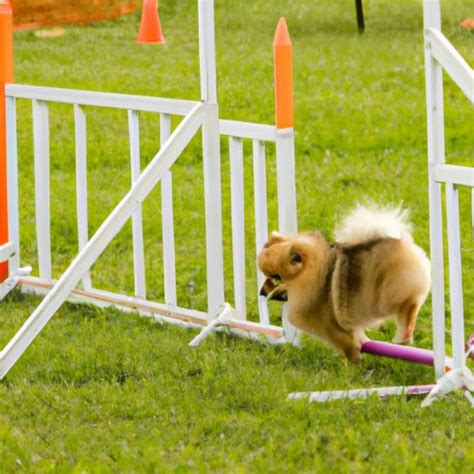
360,16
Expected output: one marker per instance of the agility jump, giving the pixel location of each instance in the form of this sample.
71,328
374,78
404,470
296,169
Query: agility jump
75,283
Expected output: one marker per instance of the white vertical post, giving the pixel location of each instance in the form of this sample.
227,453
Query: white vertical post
238,223
286,183
137,222
213,205
12,169
167,221
435,129
261,219
211,159
207,51
455,276
41,150
81,184
287,216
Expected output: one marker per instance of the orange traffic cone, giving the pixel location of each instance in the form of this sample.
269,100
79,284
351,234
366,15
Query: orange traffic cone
150,27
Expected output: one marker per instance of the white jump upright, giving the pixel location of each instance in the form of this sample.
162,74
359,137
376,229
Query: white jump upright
211,160
451,373
440,55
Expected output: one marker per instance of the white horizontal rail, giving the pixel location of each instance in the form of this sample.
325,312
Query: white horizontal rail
461,175
141,103
101,99
254,131
451,61
152,174
160,312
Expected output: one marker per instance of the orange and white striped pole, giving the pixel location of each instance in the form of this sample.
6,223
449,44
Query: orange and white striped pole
284,120
6,76
285,145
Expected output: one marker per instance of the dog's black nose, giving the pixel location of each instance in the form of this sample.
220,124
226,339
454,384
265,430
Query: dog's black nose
280,296
263,292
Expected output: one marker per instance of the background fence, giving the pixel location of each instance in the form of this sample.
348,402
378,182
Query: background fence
34,13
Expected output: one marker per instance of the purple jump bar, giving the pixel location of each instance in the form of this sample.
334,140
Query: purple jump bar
394,351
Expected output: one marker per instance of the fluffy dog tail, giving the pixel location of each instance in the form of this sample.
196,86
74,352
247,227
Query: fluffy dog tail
364,224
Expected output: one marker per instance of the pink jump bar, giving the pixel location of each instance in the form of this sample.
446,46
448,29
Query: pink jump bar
395,351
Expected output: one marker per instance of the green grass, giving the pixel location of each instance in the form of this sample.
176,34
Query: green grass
104,391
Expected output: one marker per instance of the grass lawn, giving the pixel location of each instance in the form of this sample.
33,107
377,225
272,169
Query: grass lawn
103,391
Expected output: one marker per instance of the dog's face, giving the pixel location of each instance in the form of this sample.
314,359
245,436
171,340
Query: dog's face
282,259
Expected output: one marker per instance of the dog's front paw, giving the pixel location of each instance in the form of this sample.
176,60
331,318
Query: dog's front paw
353,354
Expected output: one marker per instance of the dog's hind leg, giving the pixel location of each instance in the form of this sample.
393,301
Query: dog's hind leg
406,323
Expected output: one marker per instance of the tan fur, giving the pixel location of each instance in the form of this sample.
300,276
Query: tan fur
336,292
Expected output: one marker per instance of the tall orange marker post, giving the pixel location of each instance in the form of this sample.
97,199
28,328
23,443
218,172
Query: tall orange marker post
285,143
283,66
6,76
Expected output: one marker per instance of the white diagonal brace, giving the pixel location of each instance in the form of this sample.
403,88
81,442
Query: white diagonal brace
101,239
451,61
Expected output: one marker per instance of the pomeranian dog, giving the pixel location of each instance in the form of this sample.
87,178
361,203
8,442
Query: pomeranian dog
337,291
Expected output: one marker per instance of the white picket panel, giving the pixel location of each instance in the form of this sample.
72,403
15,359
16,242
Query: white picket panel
167,221
42,197
455,275
261,218
164,159
81,184
238,223
137,220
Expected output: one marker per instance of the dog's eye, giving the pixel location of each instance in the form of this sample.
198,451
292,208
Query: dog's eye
276,279
296,258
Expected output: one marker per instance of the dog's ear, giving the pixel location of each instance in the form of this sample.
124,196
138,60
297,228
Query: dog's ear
295,256
275,238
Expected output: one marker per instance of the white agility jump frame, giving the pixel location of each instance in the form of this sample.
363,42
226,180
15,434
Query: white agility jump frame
204,115
197,115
